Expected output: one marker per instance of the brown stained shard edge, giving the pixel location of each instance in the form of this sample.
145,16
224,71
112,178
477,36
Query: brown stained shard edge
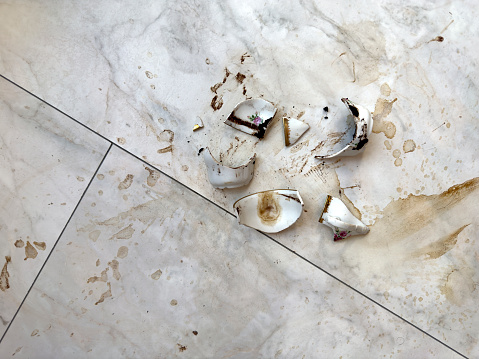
325,208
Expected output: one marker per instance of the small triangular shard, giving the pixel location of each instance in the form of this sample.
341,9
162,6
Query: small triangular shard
293,130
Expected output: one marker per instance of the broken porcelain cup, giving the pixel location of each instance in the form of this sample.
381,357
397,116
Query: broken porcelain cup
363,128
269,211
252,116
338,217
293,129
222,176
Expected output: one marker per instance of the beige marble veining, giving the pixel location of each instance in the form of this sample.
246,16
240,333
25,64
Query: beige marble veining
153,270
140,74
46,162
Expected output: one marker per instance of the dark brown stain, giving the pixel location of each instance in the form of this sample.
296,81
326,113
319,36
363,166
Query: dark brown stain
354,110
325,208
30,251
105,295
40,245
244,56
152,177
166,149
382,109
217,102
102,278
260,129
126,183
268,208
181,348
244,90
201,150
227,73
114,265
195,332
125,233
19,243
215,87
438,39
363,138
240,77
4,282
290,197
442,246
325,109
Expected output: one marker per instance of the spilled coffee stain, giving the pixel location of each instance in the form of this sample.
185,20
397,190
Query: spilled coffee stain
152,177
166,136
114,265
216,102
40,245
4,282
385,89
122,252
166,149
382,109
19,243
268,208
94,235
30,251
124,233
388,145
105,295
157,274
126,183
102,278
409,146
240,77
405,216
442,246
459,286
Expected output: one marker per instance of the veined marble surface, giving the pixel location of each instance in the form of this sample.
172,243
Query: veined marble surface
46,162
146,273
141,73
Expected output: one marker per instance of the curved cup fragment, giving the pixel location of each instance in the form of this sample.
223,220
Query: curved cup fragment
338,217
269,211
252,116
363,128
222,176
293,129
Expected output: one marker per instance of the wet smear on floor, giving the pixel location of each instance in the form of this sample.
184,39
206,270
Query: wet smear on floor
4,282
442,246
105,295
126,183
102,278
406,216
152,177
125,233
409,146
157,274
114,265
30,251
40,245
382,109
19,243
122,252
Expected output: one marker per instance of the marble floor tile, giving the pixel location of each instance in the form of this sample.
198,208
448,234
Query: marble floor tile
140,74
46,163
146,268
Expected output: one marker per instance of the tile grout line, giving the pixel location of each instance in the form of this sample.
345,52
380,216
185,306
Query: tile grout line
56,242
218,206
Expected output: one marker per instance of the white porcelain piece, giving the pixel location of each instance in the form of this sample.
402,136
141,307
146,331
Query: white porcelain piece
252,116
338,217
269,211
363,128
222,176
199,124
293,129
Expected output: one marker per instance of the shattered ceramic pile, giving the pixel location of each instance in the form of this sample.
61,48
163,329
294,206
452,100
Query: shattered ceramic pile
275,210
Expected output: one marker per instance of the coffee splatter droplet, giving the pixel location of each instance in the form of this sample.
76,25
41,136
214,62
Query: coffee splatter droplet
30,251
19,243
409,146
105,295
157,274
4,282
122,252
40,245
174,302
126,183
